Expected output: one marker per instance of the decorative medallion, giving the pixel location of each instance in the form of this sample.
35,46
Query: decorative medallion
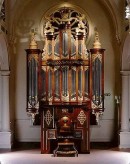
48,117
81,117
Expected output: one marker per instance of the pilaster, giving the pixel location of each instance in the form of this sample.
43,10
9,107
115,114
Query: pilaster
5,134
125,133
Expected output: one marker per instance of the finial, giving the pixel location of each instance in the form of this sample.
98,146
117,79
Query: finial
33,43
96,43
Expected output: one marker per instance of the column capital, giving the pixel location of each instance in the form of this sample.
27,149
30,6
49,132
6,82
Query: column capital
5,72
125,73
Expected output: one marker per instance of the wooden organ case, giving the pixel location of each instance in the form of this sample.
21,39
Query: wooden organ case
65,83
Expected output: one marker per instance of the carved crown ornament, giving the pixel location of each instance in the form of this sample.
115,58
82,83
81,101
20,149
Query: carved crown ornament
65,16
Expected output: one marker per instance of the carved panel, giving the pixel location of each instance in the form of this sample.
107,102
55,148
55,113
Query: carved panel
48,118
81,117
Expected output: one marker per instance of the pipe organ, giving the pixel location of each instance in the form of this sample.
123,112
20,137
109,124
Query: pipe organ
65,83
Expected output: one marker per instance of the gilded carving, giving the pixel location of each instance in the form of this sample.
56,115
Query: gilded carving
33,44
95,56
97,43
94,106
33,56
81,117
48,117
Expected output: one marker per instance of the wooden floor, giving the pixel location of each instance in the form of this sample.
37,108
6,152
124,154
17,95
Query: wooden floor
99,154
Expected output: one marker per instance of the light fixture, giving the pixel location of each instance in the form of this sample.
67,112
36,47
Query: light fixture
127,11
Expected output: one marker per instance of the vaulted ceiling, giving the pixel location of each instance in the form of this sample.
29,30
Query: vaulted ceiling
114,8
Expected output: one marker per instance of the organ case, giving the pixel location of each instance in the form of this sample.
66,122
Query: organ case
68,81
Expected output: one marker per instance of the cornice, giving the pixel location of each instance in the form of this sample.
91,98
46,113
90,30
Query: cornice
125,73
4,72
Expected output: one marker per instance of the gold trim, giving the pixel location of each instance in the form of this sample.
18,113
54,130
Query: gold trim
94,106
33,56
98,55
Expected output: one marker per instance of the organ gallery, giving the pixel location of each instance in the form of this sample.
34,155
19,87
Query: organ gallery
65,83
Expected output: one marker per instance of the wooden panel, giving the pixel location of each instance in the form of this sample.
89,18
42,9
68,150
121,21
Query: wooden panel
78,121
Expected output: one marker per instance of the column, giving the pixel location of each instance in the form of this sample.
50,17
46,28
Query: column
5,101
125,102
125,133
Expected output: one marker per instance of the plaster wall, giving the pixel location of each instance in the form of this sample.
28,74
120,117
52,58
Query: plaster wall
0,102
